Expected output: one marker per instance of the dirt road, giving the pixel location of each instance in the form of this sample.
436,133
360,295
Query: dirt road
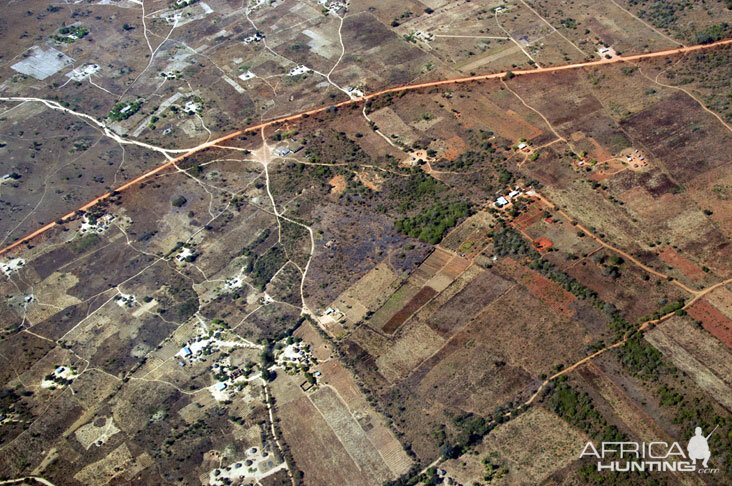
299,116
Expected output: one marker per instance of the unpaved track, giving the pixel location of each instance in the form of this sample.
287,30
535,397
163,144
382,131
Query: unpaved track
299,116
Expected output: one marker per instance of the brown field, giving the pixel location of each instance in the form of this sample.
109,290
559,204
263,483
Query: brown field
367,294
684,154
719,325
455,146
455,267
528,218
478,109
338,184
436,272
431,265
634,417
689,268
337,378
467,303
315,445
721,298
702,346
351,436
630,292
598,152
331,440
396,302
422,297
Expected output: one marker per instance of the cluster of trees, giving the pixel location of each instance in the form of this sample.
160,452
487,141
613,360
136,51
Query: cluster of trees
263,268
122,111
676,306
577,409
713,33
417,187
661,13
178,201
331,147
493,469
431,226
182,4
610,265
70,34
266,360
640,358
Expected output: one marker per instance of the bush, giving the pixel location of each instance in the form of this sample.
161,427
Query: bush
178,201
122,111
432,225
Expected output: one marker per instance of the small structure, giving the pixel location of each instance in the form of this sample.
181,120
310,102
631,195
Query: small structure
12,266
192,107
220,386
298,70
253,38
185,253
513,194
501,201
247,76
522,146
282,151
187,351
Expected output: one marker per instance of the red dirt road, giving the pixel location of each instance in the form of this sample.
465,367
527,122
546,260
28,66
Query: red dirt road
298,116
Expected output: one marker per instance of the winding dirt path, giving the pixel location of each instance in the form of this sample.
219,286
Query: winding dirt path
353,101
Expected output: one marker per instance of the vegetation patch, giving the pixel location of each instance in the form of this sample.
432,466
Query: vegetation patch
432,225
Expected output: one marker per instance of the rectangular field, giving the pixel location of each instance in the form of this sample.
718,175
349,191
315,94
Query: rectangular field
422,297
697,354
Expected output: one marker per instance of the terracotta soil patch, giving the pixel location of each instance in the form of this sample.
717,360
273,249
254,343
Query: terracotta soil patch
455,146
689,268
577,136
338,184
713,321
600,153
534,131
528,218
550,293
369,180
543,244
424,295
